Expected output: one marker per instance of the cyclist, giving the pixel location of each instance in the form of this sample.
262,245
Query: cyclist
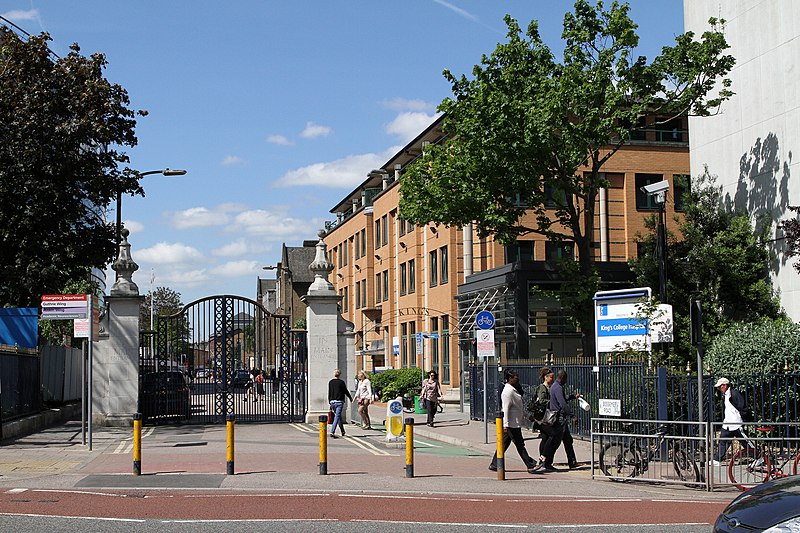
735,414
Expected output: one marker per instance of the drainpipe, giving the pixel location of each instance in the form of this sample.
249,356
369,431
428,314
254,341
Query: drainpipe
603,224
467,250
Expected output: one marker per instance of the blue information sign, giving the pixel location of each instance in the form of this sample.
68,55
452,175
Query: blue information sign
484,320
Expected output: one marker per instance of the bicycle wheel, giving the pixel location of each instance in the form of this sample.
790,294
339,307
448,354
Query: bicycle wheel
619,462
685,466
747,469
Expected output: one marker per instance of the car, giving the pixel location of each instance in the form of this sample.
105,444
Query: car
165,393
240,379
201,373
773,506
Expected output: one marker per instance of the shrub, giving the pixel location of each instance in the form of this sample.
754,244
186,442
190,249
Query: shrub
762,347
398,382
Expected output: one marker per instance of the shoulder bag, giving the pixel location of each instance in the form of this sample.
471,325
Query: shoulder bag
550,417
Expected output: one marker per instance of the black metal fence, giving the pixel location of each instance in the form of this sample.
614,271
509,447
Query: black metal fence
20,384
648,394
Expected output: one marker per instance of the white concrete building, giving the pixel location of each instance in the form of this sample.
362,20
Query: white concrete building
749,146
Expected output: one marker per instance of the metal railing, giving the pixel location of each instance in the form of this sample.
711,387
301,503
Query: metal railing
20,384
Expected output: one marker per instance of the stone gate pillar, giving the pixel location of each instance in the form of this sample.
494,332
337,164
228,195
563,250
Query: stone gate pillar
115,372
330,337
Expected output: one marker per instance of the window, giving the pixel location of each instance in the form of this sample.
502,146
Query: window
445,350
554,197
520,251
443,260
358,295
385,229
404,344
364,293
412,281
345,252
412,343
403,284
644,201
378,287
555,251
435,345
357,246
409,227
433,271
670,131
385,285
638,132
346,299
402,229
682,185
339,254
363,242
377,234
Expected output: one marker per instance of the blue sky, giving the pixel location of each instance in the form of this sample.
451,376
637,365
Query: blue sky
277,109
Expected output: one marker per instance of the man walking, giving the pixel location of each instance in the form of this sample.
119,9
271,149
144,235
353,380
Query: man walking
559,402
735,408
513,418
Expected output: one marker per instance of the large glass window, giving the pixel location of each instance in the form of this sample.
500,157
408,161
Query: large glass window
385,285
443,259
385,229
404,345
520,251
435,345
377,234
412,277
403,282
357,246
363,242
358,295
412,343
554,251
433,269
378,287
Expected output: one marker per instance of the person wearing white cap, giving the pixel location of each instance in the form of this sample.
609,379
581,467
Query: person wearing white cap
735,406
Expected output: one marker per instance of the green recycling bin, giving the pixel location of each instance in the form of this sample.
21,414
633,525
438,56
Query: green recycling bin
418,408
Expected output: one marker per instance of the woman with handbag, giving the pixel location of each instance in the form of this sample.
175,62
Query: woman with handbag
539,406
431,393
364,397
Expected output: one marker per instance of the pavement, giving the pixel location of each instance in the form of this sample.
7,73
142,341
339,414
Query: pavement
287,457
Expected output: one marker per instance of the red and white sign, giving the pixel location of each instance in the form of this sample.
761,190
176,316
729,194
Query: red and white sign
485,341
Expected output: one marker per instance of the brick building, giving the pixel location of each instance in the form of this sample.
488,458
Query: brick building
397,280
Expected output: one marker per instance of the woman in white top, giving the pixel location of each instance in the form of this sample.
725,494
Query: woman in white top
364,397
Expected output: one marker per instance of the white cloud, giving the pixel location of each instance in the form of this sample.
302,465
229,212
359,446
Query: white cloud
233,269
18,14
408,125
346,172
240,247
403,104
312,131
133,226
169,253
232,160
199,217
461,12
279,139
273,226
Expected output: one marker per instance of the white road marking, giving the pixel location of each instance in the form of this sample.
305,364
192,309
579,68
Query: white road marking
126,445
303,427
504,526
15,491
395,497
102,519
364,445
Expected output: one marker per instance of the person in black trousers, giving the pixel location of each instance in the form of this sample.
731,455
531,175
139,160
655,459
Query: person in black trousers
513,418
559,401
337,391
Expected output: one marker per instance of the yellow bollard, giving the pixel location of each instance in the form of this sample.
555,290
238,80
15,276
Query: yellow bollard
229,425
137,444
323,445
409,447
501,462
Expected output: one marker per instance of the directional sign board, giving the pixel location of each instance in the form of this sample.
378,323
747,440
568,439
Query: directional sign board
64,306
484,320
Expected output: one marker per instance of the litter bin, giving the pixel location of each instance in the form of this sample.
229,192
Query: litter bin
418,408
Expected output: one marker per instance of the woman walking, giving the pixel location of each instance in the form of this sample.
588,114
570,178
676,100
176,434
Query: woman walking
364,398
549,437
431,393
337,390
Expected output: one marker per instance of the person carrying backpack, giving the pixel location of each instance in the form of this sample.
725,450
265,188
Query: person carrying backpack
736,413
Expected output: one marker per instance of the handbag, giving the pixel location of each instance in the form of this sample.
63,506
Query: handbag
330,416
550,417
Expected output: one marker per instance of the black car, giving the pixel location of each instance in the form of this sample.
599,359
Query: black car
240,379
164,394
773,507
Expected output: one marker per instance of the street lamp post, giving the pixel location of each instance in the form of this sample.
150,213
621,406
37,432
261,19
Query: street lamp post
164,172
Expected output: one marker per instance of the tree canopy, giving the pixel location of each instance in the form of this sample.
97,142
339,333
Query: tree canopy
529,134
62,125
164,301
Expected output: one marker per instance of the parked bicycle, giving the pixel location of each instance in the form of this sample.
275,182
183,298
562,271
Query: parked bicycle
761,461
624,458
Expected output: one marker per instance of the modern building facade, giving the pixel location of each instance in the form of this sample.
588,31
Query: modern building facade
748,146
397,280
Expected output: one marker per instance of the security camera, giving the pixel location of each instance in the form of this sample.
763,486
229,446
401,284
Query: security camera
656,188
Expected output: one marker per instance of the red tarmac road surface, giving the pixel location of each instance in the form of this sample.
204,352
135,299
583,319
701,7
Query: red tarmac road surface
225,505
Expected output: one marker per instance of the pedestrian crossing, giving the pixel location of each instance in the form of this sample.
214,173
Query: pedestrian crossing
126,445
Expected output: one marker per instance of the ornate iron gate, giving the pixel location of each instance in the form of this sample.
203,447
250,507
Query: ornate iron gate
223,355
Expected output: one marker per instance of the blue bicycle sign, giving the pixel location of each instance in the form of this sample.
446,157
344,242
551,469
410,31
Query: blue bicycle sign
484,320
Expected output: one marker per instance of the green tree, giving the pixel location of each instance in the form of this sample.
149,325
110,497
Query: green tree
165,302
527,130
762,347
720,261
55,332
61,126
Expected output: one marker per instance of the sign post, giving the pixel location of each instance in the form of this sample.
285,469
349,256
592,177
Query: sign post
484,337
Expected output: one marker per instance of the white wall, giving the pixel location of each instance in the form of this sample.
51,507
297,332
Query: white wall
750,146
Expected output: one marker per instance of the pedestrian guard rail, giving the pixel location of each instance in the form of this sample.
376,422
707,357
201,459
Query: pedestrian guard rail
675,452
